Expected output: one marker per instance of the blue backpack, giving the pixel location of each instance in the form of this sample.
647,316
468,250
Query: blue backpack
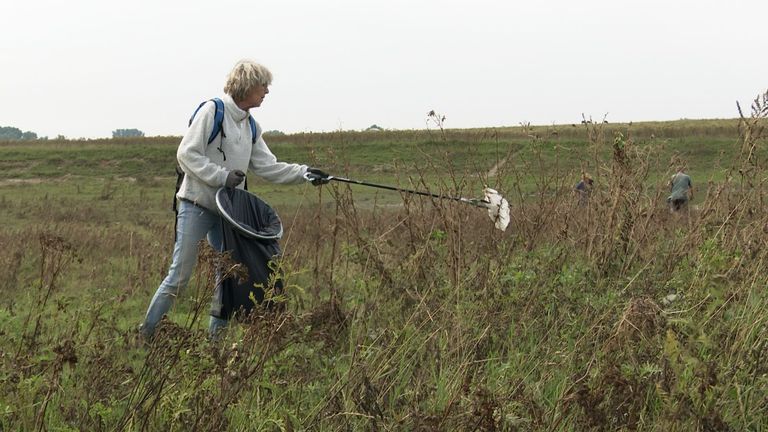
218,121
218,128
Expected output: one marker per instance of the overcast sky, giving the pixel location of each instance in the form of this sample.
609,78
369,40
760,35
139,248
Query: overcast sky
83,68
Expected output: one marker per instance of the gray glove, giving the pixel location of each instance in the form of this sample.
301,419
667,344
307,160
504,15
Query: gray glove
317,176
234,178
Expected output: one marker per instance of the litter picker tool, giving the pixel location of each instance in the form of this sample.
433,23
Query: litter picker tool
497,206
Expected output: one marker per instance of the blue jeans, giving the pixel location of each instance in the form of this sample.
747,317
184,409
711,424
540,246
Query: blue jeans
192,224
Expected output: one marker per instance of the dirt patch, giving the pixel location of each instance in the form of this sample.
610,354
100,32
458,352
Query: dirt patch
19,182
494,169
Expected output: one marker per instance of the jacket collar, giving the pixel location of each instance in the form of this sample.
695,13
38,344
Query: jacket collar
235,111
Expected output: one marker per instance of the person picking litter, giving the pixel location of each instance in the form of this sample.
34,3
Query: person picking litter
681,191
583,189
222,143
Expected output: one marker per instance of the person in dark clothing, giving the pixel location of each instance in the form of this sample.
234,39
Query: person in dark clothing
583,189
681,191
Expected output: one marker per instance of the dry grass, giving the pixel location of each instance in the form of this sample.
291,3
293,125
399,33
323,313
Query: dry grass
420,316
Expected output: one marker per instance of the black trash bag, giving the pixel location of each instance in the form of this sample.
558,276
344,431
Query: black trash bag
251,229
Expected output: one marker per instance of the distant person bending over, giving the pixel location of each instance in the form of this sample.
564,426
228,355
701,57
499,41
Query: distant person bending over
583,189
208,167
681,189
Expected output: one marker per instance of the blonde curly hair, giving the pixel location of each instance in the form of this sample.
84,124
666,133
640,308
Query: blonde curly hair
246,75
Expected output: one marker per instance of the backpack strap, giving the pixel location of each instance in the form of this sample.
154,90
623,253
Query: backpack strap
179,179
218,127
254,131
218,120
254,136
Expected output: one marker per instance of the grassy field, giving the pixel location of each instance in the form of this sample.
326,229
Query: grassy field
401,312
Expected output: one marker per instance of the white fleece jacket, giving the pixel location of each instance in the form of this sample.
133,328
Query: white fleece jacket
205,166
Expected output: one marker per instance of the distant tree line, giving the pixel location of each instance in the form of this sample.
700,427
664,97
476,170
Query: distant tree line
127,133
12,133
